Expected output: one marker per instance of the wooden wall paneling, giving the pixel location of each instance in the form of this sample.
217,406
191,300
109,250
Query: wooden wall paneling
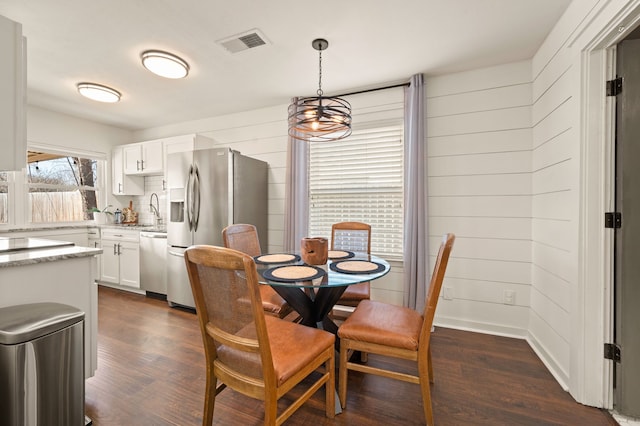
553,205
552,232
484,227
479,79
488,270
555,123
508,320
556,94
488,291
554,177
549,283
482,121
485,206
554,259
480,185
554,349
547,152
510,250
475,164
515,95
480,143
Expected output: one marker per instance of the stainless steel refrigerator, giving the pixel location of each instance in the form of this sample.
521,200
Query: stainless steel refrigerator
207,190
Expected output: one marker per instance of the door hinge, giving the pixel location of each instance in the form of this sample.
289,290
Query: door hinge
612,352
614,87
613,220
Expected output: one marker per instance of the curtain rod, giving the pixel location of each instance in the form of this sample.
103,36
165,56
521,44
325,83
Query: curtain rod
375,89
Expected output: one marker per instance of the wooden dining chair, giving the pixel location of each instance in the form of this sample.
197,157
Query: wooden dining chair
244,237
395,331
258,355
356,237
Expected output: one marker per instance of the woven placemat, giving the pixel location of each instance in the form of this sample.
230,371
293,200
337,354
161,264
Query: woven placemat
340,254
293,273
277,258
357,267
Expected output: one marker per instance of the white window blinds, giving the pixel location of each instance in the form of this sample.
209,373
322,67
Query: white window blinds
360,179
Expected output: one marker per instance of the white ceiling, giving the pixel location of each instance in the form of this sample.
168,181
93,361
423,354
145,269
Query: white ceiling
371,43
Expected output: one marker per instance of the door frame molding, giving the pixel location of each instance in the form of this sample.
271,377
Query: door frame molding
591,375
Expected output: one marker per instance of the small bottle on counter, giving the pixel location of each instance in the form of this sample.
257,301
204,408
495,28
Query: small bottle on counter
118,216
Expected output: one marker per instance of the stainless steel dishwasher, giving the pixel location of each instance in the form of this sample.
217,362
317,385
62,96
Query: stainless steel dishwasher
153,261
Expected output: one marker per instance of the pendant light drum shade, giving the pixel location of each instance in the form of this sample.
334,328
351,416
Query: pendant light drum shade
320,118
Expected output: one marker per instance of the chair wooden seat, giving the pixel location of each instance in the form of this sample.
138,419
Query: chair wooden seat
395,331
260,356
383,324
355,293
292,348
352,236
244,237
273,303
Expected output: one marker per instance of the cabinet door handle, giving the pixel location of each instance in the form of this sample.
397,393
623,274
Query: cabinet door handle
141,164
115,251
119,187
119,252
138,165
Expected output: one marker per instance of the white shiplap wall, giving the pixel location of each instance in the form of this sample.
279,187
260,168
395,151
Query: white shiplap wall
479,185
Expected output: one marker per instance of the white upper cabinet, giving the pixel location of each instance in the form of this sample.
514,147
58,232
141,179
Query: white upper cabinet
145,158
13,77
122,184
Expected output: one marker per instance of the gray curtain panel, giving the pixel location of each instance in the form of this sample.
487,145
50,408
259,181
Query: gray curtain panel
416,249
296,200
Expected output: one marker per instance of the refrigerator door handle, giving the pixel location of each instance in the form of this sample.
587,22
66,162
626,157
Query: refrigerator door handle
196,198
175,253
187,206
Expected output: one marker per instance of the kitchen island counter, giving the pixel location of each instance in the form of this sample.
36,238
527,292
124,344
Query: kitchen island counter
59,274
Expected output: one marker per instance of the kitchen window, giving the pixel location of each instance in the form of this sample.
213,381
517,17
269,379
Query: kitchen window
62,187
360,178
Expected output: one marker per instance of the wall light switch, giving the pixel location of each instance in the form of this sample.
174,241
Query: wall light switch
448,293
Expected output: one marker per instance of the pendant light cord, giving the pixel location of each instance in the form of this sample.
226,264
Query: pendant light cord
319,92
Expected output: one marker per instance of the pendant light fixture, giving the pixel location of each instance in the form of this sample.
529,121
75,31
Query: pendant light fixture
164,64
98,92
320,118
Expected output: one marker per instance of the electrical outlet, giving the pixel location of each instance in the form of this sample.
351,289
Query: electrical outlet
509,297
448,293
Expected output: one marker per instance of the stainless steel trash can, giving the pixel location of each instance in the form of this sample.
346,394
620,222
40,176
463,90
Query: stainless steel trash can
42,365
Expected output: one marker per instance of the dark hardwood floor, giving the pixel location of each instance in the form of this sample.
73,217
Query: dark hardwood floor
151,372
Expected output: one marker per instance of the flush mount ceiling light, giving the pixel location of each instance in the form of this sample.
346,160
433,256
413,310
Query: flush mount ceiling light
164,64
98,92
320,118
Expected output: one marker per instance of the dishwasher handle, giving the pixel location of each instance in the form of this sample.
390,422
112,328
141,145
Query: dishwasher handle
153,235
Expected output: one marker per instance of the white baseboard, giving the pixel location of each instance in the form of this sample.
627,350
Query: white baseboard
549,362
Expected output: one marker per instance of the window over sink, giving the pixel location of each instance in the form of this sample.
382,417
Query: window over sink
58,185
61,187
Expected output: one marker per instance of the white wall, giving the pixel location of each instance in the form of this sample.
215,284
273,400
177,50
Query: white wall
479,186
46,127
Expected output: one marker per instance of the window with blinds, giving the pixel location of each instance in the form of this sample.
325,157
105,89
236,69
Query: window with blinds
360,179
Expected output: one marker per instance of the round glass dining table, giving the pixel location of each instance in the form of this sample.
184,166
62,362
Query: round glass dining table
314,297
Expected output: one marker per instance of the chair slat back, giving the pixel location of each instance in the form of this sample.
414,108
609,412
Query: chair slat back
242,237
351,236
437,277
224,283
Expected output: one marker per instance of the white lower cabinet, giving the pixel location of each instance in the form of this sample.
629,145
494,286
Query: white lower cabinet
120,263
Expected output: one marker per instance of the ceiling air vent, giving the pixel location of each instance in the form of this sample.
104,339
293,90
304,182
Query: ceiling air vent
244,41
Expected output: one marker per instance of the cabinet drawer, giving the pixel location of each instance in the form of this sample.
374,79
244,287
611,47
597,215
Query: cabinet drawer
120,235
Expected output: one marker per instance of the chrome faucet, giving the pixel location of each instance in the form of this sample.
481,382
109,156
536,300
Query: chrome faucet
155,209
